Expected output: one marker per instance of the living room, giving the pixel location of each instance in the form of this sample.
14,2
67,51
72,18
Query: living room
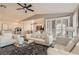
39,29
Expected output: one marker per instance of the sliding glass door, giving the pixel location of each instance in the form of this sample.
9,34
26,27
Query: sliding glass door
58,26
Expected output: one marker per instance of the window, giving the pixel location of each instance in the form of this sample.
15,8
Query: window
57,26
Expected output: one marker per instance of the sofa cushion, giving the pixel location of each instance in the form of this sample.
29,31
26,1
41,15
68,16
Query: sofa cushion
76,40
70,46
37,39
54,51
76,49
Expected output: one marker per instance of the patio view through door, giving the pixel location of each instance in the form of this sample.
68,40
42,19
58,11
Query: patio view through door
58,26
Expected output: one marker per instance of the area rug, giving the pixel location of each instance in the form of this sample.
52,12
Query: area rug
31,49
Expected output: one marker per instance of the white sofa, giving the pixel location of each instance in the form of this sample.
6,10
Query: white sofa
39,38
54,51
72,47
6,39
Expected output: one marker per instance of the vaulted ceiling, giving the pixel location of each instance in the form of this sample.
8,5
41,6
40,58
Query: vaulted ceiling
10,14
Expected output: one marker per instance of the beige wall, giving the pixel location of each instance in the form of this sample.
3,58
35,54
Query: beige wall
26,25
10,26
31,24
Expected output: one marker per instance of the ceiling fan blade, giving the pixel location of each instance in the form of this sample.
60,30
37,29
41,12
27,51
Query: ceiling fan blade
19,8
20,4
3,6
31,10
25,4
29,6
25,11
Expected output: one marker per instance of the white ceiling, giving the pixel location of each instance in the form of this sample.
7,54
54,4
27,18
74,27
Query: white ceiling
10,14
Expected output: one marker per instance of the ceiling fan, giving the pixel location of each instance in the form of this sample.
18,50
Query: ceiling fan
3,6
25,7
